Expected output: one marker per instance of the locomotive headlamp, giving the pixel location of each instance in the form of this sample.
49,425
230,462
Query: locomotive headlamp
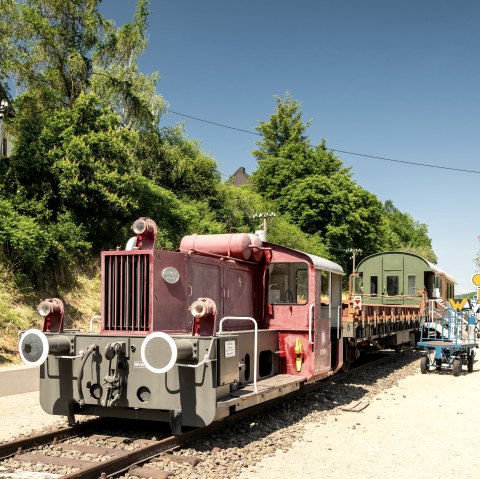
48,306
203,307
45,308
51,309
139,226
146,231
204,310
198,309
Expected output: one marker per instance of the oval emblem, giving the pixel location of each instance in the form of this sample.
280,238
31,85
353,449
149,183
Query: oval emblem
170,275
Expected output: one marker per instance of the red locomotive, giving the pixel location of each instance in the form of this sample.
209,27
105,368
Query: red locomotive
190,337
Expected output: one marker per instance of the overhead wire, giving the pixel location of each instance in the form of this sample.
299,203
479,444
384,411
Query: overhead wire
382,158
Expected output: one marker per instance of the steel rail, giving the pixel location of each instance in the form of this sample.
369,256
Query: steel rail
24,444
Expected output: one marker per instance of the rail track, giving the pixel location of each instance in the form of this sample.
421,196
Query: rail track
94,451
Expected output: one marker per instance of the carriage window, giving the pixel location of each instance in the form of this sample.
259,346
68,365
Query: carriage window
325,288
412,284
392,285
374,285
288,283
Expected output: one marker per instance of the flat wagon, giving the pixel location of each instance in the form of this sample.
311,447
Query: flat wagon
388,294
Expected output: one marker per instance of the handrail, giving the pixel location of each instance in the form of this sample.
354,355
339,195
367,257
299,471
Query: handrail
243,318
310,322
339,309
97,319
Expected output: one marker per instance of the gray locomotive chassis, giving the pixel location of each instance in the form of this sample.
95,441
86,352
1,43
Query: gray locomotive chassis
190,393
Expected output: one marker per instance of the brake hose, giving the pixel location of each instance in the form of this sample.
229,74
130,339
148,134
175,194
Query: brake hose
88,352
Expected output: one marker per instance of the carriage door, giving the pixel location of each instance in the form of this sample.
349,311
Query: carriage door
393,284
393,279
322,315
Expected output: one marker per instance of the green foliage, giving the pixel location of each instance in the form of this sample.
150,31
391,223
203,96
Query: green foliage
24,241
285,153
283,232
79,165
116,78
49,44
406,234
82,168
57,50
235,208
179,163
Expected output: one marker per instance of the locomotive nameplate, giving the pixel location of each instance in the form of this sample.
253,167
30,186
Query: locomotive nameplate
170,275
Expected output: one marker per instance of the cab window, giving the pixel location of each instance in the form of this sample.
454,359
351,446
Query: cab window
288,283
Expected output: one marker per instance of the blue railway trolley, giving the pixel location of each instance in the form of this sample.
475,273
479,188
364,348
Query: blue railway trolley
448,338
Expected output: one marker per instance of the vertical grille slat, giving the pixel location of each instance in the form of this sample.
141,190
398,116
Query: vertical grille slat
127,292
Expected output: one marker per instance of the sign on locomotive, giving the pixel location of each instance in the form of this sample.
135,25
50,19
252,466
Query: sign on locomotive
190,337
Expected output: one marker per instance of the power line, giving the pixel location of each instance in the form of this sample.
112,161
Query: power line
426,165
382,158
216,124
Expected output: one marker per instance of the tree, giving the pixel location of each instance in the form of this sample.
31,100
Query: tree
340,212
57,50
76,164
406,234
178,162
285,153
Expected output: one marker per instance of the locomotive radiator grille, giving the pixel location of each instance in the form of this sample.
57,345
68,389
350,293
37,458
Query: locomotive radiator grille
126,301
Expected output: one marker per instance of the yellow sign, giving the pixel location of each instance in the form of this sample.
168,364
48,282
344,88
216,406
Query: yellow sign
476,282
458,305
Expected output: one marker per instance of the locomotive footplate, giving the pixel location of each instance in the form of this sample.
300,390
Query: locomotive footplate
267,389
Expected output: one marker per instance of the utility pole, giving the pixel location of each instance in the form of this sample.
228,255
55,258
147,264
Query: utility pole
354,251
263,233
3,143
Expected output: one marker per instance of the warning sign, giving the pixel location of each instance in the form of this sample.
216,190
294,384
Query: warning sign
357,303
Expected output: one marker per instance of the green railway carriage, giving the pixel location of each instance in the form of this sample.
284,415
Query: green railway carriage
399,277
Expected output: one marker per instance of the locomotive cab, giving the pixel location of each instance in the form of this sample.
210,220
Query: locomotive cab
304,304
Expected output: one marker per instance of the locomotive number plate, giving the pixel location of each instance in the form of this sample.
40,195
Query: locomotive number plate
229,349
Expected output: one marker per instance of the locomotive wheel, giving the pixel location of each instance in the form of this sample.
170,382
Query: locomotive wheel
470,363
457,366
424,365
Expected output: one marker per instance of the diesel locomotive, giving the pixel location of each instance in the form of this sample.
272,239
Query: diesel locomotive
192,336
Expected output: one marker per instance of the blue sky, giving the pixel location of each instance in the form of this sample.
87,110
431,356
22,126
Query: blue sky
380,77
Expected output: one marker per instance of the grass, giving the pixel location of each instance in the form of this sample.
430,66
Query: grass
18,308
